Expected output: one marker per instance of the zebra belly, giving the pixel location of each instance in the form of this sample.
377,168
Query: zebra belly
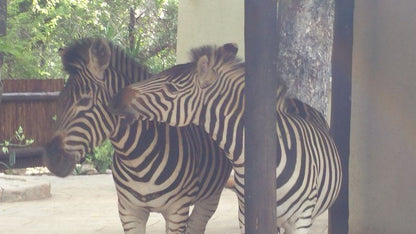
154,197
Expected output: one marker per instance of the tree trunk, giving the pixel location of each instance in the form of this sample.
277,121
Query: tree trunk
132,24
305,50
3,25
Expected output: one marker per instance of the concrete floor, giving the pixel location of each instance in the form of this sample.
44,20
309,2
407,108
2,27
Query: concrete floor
88,204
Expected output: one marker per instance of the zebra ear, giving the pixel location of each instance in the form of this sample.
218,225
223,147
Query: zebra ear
61,52
229,51
202,65
100,55
204,77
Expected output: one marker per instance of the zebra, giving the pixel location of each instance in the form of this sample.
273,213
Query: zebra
209,92
156,167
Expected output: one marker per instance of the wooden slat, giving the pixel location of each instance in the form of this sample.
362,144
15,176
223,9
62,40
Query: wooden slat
33,112
25,157
30,96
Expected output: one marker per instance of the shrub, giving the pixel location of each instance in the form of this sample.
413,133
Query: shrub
19,140
101,157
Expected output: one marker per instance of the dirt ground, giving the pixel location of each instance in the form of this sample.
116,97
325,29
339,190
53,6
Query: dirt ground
88,204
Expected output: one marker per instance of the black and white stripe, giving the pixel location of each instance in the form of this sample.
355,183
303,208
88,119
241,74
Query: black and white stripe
156,168
209,92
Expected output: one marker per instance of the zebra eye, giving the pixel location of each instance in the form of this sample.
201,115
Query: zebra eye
171,88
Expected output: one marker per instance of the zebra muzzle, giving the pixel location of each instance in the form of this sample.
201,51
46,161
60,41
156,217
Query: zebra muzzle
57,160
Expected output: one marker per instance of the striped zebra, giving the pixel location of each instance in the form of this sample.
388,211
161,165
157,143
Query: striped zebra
209,92
156,167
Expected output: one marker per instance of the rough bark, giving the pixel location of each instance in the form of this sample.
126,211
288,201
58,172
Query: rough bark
305,50
132,24
3,25
1,90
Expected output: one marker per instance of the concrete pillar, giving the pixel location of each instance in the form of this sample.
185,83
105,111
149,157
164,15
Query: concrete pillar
209,22
383,124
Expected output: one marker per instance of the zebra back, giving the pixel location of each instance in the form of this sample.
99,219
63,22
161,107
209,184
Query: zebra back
298,108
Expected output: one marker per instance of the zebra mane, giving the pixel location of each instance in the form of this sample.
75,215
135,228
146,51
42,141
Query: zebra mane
120,60
217,54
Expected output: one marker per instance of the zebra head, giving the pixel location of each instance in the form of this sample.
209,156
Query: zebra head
176,96
83,121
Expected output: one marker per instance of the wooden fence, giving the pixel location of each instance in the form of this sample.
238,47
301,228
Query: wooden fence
30,104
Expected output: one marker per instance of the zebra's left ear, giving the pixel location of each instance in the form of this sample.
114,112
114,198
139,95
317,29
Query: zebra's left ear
100,55
229,51
204,75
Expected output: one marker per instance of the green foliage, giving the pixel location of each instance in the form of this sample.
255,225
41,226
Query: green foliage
101,157
18,140
36,29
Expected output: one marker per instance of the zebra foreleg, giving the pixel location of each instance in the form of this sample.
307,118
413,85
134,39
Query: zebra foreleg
133,219
176,220
202,212
239,189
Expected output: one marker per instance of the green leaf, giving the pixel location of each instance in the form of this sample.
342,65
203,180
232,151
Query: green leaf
20,130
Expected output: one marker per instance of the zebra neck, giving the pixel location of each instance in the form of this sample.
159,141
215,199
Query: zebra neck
122,137
221,117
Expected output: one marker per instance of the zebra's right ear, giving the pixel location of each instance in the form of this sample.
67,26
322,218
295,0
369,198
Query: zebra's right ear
100,55
204,77
202,65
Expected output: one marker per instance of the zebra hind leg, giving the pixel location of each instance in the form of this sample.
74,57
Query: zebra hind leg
202,212
301,225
